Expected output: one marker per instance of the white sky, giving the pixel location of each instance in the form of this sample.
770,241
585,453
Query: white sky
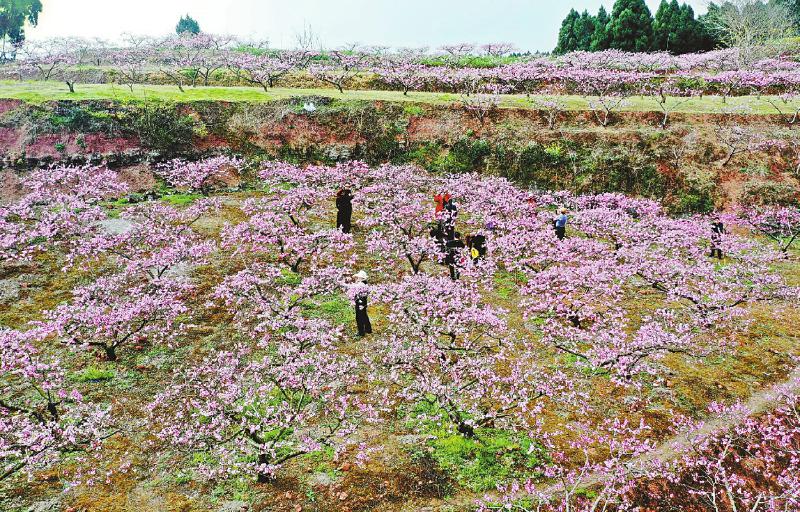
530,24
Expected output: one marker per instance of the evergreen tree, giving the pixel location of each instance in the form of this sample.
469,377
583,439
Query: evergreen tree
794,5
631,26
187,25
665,26
584,30
567,40
13,16
676,30
691,34
710,37
600,38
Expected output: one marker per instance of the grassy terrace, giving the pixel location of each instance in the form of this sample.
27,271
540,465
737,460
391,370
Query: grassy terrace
39,92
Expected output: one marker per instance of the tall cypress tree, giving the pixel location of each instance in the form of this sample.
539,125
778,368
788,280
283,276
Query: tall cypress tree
631,26
665,26
691,35
600,38
709,38
187,25
584,30
567,40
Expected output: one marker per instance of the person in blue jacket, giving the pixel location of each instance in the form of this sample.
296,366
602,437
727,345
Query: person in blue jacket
560,223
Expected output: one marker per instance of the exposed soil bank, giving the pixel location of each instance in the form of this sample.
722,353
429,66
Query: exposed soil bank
688,164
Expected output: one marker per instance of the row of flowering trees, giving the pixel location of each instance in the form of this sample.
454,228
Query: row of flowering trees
743,462
196,60
291,382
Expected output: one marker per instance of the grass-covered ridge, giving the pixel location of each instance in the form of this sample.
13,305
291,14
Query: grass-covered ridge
40,92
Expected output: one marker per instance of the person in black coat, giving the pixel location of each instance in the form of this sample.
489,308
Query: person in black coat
449,217
717,230
437,233
344,207
451,257
361,296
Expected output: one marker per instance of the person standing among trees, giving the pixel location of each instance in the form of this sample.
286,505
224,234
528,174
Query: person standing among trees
440,200
717,230
560,223
451,258
448,218
451,209
360,294
437,233
344,207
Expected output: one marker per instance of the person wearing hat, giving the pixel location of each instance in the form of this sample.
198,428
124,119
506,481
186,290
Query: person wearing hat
560,223
344,207
360,295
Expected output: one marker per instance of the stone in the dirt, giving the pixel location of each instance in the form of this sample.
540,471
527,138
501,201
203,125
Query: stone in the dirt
179,270
52,504
323,479
9,290
234,506
115,226
411,439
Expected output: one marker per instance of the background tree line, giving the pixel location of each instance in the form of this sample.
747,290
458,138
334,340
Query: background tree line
674,28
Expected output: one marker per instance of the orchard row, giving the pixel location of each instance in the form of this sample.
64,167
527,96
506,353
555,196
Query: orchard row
204,59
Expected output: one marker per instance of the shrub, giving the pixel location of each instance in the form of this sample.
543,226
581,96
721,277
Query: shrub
424,154
543,165
622,169
82,118
696,191
763,192
465,155
161,127
694,202
413,110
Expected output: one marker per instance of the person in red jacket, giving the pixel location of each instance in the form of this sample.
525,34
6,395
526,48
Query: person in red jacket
441,200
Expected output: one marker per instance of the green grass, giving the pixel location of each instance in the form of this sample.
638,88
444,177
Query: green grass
181,199
93,374
493,457
39,92
336,308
